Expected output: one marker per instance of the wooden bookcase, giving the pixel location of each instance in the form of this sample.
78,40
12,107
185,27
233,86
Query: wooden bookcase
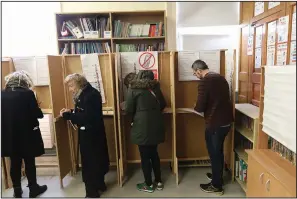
268,173
136,17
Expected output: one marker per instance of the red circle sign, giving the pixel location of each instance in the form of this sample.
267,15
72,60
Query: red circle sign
147,60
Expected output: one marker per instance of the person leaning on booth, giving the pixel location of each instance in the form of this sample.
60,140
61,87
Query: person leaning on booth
214,101
88,117
20,134
145,103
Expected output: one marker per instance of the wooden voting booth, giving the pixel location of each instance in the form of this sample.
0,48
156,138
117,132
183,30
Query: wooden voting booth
184,129
66,136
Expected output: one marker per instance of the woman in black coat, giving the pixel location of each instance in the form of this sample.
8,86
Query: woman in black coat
87,116
21,137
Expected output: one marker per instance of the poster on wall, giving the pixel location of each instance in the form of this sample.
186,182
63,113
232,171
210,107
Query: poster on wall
258,57
259,32
148,61
271,33
185,61
270,55
250,45
273,4
282,29
293,52
281,55
293,34
259,8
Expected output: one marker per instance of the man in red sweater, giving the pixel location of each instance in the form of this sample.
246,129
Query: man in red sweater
214,101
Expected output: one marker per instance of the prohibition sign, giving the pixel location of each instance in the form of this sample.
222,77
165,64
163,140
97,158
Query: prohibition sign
147,60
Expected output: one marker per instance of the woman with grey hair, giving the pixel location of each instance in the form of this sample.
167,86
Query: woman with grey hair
21,137
87,116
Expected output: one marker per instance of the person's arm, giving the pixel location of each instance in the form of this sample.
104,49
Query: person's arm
201,98
160,98
88,115
35,110
130,105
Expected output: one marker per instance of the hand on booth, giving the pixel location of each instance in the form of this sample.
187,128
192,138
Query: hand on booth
63,111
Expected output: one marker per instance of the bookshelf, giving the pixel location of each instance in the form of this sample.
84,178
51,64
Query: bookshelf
106,32
245,137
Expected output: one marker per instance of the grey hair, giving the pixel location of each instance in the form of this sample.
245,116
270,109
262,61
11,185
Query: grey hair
79,79
19,79
199,65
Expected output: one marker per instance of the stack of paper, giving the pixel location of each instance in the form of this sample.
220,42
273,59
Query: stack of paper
47,131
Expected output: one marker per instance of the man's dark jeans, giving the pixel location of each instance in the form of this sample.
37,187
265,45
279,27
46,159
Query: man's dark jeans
215,146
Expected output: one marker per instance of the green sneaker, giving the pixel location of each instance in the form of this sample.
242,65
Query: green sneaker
159,186
145,188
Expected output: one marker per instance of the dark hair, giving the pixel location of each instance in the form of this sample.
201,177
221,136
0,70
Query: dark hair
199,64
129,78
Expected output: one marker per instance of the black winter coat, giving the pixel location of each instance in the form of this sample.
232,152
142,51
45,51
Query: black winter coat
20,133
88,116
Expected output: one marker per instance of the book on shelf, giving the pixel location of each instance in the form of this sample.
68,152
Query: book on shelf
139,47
281,150
125,29
85,48
92,27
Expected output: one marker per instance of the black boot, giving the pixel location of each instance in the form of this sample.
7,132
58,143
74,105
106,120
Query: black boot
17,192
36,190
91,192
102,187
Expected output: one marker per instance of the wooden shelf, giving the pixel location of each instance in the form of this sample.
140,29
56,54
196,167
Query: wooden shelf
242,155
167,110
47,111
106,113
242,184
246,133
83,39
248,109
138,38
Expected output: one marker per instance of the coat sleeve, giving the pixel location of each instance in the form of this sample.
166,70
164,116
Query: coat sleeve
160,98
202,97
35,110
130,105
93,105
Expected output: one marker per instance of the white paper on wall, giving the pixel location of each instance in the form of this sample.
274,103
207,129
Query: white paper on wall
282,29
293,34
271,33
92,72
259,8
185,61
128,61
259,32
293,52
258,58
250,44
270,55
279,116
273,4
42,70
212,59
281,56
148,61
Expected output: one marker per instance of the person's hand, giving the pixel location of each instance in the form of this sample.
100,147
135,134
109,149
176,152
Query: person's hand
63,111
122,105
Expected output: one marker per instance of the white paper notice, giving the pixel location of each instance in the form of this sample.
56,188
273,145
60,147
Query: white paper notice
281,55
258,58
212,59
270,55
92,72
293,35
148,61
26,64
259,8
185,61
259,32
282,29
293,53
250,46
128,62
273,4
42,70
271,33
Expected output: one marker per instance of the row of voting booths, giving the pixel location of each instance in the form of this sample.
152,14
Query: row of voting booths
185,143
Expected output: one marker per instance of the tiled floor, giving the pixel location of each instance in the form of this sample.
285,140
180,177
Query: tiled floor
190,178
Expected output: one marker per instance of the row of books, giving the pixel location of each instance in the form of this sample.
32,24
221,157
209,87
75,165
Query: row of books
282,150
246,122
81,25
85,48
241,170
139,47
125,29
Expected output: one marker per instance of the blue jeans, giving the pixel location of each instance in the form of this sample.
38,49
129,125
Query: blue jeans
215,145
